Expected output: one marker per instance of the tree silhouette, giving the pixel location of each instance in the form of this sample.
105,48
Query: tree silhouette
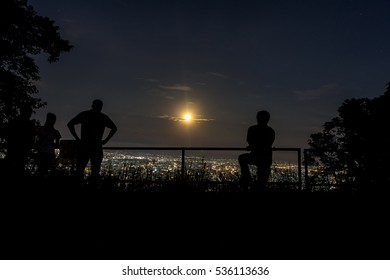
23,35
355,146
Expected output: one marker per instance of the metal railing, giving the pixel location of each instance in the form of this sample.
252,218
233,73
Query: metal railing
184,149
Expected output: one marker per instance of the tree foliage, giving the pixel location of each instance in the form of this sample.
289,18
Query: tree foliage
354,148
23,35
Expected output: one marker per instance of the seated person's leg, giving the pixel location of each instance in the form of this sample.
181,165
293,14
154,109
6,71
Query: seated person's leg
263,173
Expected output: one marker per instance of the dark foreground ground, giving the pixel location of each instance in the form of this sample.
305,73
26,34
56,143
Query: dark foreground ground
61,221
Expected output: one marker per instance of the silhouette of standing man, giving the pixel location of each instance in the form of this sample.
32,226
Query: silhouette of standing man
48,139
90,144
260,138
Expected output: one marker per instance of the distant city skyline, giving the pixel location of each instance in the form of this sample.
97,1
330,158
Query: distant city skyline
151,62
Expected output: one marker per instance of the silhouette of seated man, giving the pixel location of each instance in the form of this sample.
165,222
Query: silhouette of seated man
20,136
90,144
260,138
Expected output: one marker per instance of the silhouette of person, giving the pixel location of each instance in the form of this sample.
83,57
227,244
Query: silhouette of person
90,144
48,139
20,141
260,138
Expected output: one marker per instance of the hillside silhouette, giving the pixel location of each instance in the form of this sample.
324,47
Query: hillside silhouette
59,221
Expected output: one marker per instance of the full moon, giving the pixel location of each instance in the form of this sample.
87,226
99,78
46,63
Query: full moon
187,117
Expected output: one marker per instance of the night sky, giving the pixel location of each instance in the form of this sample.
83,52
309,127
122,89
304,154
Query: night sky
152,61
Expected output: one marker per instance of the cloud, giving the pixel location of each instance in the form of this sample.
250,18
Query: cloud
177,87
197,119
219,75
171,91
148,80
170,118
69,20
312,94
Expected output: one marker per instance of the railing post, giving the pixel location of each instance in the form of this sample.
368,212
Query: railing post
307,183
300,168
183,162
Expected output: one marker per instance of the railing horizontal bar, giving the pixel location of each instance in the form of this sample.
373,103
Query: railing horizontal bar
195,148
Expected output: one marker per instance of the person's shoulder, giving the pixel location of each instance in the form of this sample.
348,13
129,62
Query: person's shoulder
79,118
253,129
84,114
106,117
255,126
58,134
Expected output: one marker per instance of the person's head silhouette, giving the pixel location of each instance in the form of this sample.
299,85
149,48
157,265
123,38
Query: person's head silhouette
263,117
97,105
50,119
